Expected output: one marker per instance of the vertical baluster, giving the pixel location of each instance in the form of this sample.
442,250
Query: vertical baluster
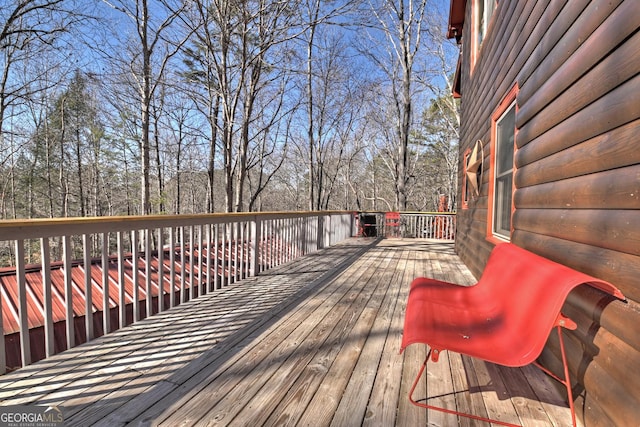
192,261
273,246
172,267
223,257
266,245
121,290
147,272
106,306
68,291
135,244
3,357
236,251
23,315
200,261
216,260
45,252
281,240
229,253
240,250
289,252
88,291
183,271
160,269
254,247
208,246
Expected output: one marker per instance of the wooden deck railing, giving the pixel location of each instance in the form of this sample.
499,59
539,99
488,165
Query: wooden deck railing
430,225
70,280
64,282
422,225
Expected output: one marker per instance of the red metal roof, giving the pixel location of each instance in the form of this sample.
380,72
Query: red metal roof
273,252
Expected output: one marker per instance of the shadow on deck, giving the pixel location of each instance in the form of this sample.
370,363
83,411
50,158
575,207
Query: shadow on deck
313,342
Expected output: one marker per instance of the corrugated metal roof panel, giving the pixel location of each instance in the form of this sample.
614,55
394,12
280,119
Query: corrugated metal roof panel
35,293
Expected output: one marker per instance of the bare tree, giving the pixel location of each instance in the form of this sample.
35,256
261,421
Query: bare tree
154,48
401,24
29,29
235,56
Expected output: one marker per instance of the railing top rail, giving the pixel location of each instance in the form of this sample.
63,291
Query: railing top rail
15,229
410,213
425,213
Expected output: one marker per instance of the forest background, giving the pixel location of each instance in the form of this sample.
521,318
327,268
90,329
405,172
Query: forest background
125,107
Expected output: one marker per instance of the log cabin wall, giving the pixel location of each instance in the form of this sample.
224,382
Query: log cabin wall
577,179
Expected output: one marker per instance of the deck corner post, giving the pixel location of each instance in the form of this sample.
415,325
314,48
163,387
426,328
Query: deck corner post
321,232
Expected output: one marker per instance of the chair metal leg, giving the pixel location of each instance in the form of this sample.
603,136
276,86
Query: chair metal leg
566,381
448,411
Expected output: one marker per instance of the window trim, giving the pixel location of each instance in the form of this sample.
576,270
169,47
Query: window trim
508,102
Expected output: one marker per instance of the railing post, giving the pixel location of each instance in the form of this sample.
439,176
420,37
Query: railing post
3,357
25,344
172,268
122,313
255,246
134,275
160,249
88,294
106,304
47,304
147,273
68,291
320,237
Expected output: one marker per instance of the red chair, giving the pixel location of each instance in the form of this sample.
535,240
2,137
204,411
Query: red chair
392,224
505,318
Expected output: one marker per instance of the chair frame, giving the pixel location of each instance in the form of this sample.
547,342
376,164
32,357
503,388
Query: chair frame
562,322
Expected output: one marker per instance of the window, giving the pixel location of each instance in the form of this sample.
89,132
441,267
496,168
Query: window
483,16
482,13
502,169
503,185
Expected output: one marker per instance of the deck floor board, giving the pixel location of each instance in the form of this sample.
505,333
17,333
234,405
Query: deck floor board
313,342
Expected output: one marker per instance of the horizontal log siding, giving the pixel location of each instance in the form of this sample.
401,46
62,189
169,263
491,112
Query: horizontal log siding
577,181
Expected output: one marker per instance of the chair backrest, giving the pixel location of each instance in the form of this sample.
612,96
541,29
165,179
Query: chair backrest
392,218
528,292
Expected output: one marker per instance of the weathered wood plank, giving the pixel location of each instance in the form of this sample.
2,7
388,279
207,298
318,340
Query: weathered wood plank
578,50
465,385
614,189
383,403
617,230
494,392
552,109
607,113
615,149
355,399
615,267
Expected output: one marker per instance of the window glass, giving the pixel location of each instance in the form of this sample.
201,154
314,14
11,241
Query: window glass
505,133
484,11
503,186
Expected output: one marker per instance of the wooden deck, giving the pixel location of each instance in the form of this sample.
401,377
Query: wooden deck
311,343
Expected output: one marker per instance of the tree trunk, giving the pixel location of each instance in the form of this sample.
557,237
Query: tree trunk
145,114
213,123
